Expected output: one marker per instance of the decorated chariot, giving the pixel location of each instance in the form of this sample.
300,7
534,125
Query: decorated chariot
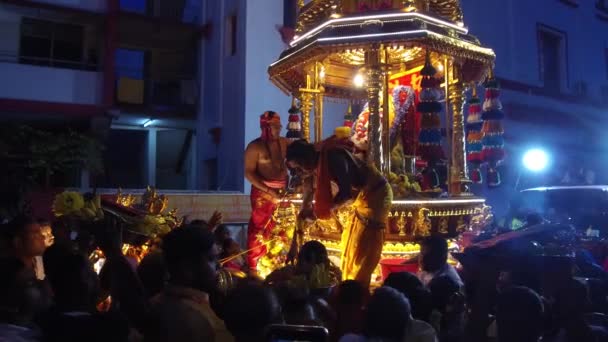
406,68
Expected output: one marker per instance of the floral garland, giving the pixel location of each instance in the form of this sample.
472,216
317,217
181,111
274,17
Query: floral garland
493,151
429,138
474,136
71,203
400,109
294,127
277,240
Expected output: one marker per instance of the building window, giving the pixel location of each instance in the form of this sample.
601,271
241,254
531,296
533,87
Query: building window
553,58
124,160
230,35
51,44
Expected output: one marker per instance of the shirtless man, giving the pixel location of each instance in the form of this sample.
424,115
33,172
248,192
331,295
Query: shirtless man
266,171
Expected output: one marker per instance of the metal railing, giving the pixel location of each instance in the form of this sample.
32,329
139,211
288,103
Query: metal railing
8,57
178,91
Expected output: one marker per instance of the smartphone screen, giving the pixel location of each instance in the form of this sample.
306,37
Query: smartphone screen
296,333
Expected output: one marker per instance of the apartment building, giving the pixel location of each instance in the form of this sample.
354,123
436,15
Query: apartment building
125,70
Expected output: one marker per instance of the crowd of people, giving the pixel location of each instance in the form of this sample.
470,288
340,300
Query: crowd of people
72,281
51,292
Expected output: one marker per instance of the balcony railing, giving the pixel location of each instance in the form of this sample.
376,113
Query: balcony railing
167,94
8,57
49,80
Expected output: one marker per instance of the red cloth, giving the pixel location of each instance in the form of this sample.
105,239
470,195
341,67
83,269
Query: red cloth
323,196
266,121
262,208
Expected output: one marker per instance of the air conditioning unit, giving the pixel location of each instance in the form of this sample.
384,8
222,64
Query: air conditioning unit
580,88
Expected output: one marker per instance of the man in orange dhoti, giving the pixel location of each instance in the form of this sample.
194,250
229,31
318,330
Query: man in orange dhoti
361,186
265,170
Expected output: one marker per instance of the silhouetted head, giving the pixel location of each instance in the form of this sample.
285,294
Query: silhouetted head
191,256
433,253
301,156
388,313
311,254
249,309
519,315
21,297
26,237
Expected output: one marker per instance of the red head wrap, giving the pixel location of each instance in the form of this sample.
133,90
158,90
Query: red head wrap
268,119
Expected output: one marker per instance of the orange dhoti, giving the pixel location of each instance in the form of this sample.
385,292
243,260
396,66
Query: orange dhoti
261,223
363,239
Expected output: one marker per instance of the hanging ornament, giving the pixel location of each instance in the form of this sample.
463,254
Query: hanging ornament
348,117
344,131
474,136
294,127
429,140
493,151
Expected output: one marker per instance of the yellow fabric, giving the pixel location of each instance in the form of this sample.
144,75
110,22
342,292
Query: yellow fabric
362,241
130,90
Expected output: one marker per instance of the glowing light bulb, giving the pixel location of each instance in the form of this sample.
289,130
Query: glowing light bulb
535,160
440,67
358,81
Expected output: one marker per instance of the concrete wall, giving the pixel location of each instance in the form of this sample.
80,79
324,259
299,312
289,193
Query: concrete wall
224,94
264,45
9,33
236,88
510,28
28,82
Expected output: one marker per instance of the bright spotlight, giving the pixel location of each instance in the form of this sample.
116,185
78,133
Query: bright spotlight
535,160
358,81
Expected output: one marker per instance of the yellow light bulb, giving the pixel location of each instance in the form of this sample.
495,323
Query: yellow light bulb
359,81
